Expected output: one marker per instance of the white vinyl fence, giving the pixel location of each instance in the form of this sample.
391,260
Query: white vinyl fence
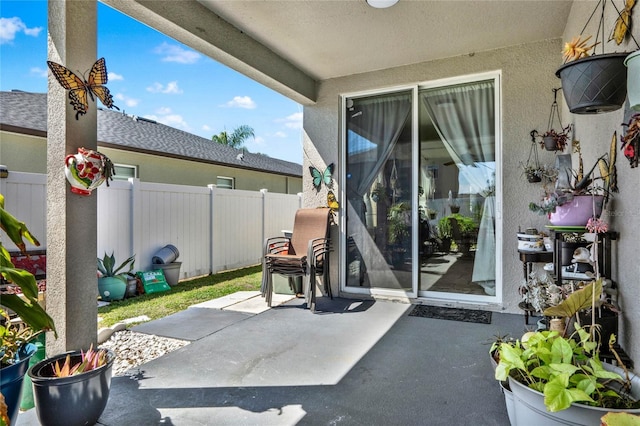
214,229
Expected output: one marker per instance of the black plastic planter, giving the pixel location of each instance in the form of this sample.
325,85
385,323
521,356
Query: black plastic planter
594,84
74,400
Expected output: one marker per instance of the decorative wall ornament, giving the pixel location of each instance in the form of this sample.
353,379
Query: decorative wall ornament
87,170
320,177
79,88
631,140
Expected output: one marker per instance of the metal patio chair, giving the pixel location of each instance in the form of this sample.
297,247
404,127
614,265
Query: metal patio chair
305,254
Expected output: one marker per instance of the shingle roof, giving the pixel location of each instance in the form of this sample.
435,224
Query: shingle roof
28,111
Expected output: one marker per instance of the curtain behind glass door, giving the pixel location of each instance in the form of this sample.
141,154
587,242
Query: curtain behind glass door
379,191
457,200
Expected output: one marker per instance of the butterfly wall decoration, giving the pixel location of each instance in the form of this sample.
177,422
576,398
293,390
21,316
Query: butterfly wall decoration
79,88
332,202
320,177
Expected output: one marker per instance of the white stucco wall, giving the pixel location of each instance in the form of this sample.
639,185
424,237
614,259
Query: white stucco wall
528,77
595,132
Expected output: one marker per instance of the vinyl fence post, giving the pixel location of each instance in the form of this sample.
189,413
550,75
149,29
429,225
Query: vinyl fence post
264,192
212,197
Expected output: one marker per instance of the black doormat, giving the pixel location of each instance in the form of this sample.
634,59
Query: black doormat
453,314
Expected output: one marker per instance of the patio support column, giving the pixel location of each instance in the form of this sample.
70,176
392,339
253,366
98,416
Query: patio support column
71,219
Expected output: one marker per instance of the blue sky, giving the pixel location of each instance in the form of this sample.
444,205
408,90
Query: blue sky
154,76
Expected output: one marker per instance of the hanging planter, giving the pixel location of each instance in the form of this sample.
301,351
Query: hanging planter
552,139
532,169
632,62
594,84
598,83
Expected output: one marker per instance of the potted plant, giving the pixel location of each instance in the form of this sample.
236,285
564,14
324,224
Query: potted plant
112,284
20,297
445,234
553,376
454,204
553,140
72,388
431,213
398,222
595,83
574,204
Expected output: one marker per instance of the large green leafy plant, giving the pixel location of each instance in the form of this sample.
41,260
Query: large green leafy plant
566,369
107,266
24,304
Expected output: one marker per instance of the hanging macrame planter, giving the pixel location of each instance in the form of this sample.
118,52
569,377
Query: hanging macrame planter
553,139
598,83
532,169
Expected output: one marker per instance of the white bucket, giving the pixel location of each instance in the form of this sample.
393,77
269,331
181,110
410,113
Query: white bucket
166,254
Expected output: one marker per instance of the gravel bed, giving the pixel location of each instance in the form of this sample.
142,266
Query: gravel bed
133,349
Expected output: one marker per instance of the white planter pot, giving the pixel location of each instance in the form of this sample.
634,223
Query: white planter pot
529,408
633,79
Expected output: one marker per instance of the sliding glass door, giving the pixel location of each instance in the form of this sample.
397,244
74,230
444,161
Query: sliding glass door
379,191
424,226
458,177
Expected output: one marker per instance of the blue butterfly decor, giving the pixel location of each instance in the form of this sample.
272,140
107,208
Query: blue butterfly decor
320,177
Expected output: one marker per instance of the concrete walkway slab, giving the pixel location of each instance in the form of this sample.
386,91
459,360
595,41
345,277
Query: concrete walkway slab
256,305
228,300
191,324
353,362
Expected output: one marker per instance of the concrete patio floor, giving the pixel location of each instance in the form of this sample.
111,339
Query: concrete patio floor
353,363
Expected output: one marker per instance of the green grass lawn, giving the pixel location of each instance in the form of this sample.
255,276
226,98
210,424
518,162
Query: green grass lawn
180,297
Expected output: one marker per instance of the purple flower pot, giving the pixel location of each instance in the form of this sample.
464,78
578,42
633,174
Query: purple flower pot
577,211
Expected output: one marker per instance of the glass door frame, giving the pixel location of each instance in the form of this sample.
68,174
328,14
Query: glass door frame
413,293
496,76
415,149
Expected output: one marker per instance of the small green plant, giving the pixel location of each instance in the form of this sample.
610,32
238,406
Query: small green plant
90,360
21,296
106,266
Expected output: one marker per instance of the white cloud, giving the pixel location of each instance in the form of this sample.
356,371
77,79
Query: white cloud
173,53
293,121
170,89
280,134
259,140
130,102
112,76
173,120
39,72
163,111
206,128
9,27
241,102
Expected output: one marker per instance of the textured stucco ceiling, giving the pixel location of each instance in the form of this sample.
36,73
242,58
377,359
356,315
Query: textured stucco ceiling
291,45
329,39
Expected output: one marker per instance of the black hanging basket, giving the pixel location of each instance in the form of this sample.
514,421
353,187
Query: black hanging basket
594,84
